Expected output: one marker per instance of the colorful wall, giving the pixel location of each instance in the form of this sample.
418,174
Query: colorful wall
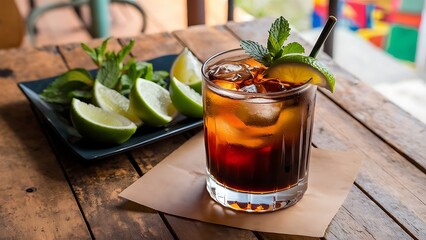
392,25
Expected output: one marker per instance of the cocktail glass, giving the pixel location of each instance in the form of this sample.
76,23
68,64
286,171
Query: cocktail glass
257,140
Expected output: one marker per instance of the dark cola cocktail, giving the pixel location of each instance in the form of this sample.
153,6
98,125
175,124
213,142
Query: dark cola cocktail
259,106
257,134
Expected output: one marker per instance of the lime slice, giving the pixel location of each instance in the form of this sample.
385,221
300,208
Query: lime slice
100,125
186,100
187,69
301,69
111,100
151,103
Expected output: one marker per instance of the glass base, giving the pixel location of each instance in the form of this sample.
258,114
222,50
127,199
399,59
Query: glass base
252,202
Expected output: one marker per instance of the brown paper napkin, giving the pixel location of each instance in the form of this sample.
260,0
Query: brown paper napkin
177,186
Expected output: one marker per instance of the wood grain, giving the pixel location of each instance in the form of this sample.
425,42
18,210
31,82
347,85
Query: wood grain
354,222
383,175
31,64
207,41
155,45
35,199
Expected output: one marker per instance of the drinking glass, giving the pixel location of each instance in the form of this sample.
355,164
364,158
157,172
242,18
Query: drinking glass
258,140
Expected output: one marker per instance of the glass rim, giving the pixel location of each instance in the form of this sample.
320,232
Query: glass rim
247,94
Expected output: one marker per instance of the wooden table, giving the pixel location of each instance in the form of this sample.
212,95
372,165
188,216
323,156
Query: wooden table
46,193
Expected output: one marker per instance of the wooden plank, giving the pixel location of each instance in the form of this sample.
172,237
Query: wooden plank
35,198
207,41
362,225
30,64
97,187
208,33
147,157
403,132
153,45
394,183
202,230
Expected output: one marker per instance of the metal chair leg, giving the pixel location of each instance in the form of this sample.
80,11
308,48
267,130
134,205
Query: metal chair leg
36,12
100,19
99,11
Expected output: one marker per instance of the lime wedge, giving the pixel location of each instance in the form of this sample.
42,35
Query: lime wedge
151,103
187,69
111,100
100,125
186,100
301,69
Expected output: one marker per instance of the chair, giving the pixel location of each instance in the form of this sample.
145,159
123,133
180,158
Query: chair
99,10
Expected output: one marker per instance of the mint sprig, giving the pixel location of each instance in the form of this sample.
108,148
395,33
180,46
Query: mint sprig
278,34
116,70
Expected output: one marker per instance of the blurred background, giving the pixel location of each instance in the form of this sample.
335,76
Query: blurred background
382,42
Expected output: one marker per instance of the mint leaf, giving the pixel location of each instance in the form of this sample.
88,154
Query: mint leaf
96,54
293,47
109,72
257,51
146,68
125,51
90,51
126,84
278,33
159,76
129,78
58,91
128,64
80,94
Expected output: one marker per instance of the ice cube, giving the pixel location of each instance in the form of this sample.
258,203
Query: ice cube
230,71
232,131
249,88
257,112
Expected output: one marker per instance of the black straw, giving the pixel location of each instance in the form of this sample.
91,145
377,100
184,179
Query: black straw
323,36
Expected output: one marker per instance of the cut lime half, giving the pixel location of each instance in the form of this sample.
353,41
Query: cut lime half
186,100
111,100
187,69
100,125
301,69
151,103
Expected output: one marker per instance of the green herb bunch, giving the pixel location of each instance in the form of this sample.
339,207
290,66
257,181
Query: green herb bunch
113,72
278,34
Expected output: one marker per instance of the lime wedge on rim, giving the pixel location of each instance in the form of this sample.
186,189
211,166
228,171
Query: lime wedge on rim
186,100
100,125
299,69
187,69
151,103
111,100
